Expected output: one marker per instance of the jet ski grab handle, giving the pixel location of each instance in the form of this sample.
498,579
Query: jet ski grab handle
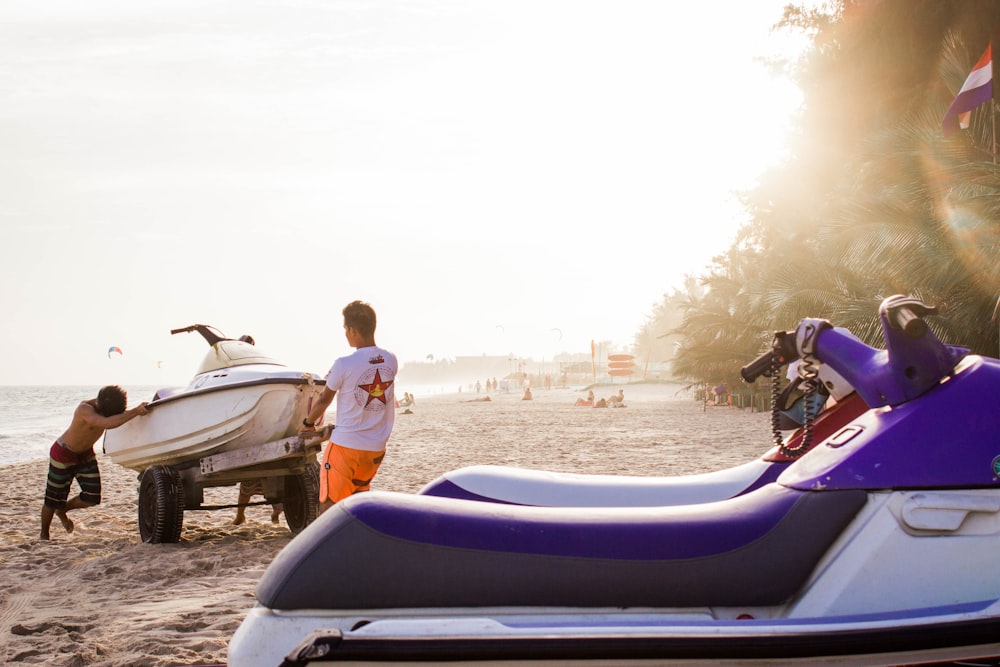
913,361
210,334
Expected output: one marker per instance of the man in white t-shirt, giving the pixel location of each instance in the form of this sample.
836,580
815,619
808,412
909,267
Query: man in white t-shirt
364,385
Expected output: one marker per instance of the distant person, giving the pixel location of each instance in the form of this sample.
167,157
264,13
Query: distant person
588,402
249,489
365,410
527,394
617,401
721,393
72,455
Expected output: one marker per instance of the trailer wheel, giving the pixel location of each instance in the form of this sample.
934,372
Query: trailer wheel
161,505
301,498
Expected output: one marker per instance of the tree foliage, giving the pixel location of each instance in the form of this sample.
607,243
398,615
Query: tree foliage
874,200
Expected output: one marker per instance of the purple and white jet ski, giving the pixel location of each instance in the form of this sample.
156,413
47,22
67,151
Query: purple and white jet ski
877,546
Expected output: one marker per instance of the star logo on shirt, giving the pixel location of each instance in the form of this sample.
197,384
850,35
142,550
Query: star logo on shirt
376,389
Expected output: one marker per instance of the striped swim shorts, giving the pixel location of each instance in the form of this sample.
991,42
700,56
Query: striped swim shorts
66,465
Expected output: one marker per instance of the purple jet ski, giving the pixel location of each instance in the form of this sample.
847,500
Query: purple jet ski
877,546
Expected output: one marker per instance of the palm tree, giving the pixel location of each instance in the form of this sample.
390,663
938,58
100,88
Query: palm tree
874,202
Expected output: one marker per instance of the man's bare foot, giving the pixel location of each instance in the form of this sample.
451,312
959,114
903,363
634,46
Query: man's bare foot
44,535
240,518
66,521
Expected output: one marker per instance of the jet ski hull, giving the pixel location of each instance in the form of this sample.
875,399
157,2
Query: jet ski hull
188,426
622,637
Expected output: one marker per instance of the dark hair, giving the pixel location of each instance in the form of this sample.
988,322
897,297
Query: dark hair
361,317
111,401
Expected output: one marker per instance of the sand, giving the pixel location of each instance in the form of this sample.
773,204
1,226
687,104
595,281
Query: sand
99,596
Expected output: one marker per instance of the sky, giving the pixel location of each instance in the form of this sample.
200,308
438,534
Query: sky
511,178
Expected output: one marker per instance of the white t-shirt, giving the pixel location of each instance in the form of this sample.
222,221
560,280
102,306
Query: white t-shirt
366,404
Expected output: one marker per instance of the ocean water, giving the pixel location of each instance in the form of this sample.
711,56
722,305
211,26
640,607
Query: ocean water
32,417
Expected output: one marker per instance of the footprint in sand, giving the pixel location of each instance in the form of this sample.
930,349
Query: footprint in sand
25,630
20,657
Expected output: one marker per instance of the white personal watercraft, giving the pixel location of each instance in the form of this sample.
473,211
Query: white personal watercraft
832,402
237,420
876,546
544,488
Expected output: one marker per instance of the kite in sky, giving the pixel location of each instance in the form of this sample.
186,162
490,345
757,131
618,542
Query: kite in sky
114,349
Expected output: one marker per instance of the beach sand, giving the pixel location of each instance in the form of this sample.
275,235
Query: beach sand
99,596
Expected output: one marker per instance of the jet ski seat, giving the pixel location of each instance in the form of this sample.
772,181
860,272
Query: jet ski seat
392,550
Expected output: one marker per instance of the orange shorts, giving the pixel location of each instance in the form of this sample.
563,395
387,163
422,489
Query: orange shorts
346,471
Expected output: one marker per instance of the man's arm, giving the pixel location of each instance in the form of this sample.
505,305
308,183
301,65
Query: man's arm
318,409
91,417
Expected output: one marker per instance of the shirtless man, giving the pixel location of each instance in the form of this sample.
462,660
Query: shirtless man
72,455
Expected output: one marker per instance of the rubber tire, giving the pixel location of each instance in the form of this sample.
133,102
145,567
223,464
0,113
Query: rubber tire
161,505
301,498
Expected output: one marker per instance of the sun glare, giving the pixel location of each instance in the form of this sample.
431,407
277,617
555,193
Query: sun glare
542,164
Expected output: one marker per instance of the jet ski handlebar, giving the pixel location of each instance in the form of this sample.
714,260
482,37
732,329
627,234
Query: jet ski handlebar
210,334
913,361
906,315
782,352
